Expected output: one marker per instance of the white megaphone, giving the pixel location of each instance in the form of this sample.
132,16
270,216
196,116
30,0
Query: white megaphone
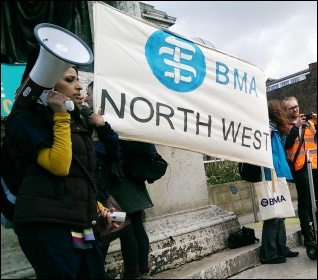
59,50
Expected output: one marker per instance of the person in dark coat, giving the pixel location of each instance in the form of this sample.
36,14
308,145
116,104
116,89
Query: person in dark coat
131,194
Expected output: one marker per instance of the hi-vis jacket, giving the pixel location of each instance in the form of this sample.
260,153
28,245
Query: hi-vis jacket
310,142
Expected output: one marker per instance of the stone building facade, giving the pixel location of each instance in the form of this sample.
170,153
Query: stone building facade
157,17
302,85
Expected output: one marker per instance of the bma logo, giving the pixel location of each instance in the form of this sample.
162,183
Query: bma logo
271,201
177,63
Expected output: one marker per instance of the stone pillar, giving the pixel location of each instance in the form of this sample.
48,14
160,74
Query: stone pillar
182,188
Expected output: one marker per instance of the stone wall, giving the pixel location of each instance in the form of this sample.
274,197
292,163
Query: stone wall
239,199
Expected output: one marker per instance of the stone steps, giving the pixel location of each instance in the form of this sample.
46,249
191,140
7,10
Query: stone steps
228,262
189,245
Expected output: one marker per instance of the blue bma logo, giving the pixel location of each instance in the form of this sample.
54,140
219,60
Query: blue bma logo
177,63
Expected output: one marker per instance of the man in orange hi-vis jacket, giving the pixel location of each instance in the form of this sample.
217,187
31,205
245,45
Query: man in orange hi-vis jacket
306,128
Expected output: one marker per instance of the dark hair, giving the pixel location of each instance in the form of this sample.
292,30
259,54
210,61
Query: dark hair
76,68
91,84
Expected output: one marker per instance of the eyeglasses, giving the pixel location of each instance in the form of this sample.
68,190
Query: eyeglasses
293,108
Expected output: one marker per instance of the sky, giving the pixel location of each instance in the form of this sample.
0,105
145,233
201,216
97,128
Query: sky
279,37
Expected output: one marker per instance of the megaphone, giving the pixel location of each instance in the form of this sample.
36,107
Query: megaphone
60,49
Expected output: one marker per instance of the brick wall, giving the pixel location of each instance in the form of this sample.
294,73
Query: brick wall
305,91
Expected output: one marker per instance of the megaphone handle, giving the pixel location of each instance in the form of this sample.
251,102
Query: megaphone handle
69,105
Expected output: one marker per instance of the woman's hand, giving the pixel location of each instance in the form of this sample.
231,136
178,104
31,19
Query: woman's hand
96,119
314,117
106,214
56,101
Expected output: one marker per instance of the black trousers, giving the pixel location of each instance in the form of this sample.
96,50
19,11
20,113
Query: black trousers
134,248
49,249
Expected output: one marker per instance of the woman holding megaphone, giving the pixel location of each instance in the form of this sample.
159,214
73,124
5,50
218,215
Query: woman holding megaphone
55,210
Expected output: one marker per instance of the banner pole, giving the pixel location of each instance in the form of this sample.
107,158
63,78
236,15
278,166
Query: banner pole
253,202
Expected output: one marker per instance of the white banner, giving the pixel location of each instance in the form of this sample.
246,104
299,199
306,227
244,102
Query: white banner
160,87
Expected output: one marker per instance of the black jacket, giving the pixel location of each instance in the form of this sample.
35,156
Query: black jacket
44,197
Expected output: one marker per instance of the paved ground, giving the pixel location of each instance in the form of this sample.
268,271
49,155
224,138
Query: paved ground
300,267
